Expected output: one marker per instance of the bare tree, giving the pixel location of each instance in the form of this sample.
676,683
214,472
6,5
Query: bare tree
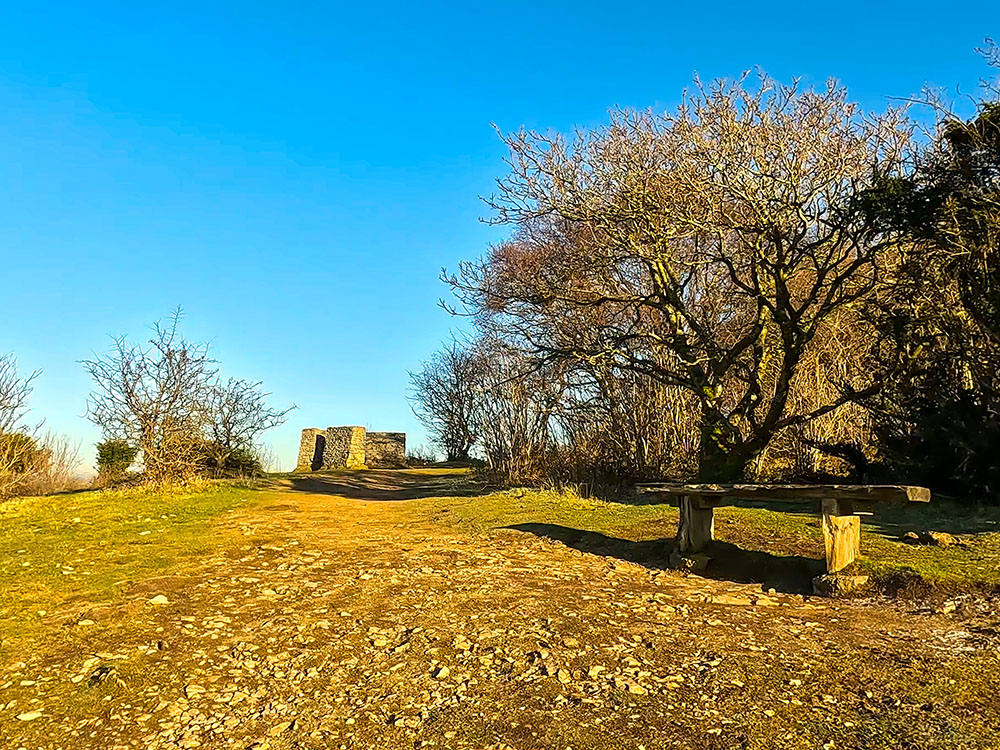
156,397
619,426
20,455
14,393
514,406
238,416
442,396
703,248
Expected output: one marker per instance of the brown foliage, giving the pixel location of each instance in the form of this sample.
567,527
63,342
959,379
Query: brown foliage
710,250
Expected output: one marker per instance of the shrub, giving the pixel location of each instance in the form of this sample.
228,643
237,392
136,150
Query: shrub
243,462
18,452
114,457
238,462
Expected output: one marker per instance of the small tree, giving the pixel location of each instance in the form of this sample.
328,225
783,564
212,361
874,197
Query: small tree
238,416
156,398
442,396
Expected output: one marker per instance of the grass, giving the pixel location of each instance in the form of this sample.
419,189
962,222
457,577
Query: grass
63,553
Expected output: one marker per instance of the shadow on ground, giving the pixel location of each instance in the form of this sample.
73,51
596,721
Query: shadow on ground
382,484
786,573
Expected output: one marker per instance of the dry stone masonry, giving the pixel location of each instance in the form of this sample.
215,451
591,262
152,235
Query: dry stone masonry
350,448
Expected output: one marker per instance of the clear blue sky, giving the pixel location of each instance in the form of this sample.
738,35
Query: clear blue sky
296,174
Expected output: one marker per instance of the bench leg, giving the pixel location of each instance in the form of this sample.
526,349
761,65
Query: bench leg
696,525
841,533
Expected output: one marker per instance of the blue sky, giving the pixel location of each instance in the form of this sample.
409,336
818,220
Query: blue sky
296,174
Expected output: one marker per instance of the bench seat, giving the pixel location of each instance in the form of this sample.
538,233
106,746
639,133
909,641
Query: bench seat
841,528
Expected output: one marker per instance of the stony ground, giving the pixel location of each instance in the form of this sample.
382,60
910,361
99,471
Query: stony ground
338,621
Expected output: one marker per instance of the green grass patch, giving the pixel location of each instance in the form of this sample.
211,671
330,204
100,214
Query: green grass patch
62,552
644,533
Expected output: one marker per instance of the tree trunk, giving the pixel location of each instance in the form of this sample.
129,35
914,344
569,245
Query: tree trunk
720,458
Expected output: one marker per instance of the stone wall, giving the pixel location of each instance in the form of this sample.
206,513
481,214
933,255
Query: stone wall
345,448
311,449
385,449
350,447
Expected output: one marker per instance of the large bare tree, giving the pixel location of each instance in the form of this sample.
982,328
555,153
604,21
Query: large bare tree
705,248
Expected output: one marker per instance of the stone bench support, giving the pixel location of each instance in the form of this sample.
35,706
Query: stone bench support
696,526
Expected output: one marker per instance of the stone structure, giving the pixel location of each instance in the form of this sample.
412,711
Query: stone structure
385,449
350,448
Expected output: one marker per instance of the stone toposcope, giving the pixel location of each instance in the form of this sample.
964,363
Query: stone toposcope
350,448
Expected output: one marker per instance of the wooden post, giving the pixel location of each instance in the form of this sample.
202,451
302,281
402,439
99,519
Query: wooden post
841,533
696,525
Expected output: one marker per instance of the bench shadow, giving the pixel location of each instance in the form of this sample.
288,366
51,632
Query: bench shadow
790,574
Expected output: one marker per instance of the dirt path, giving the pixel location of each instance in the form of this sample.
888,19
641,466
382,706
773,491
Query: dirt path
348,621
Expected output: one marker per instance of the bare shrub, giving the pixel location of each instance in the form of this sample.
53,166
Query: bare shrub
266,458
20,455
420,456
57,467
237,415
155,397
515,405
618,427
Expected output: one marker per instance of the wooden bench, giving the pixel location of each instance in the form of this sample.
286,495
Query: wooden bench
841,528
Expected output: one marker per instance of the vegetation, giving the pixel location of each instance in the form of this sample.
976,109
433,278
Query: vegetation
939,415
705,249
762,284
30,461
444,399
92,545
114,458
166,401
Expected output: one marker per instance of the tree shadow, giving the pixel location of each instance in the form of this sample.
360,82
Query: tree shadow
786,573
381,485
